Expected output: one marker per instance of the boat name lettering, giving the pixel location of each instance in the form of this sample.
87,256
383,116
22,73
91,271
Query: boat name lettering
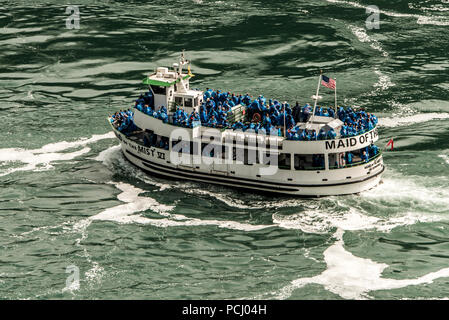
146,151
351,142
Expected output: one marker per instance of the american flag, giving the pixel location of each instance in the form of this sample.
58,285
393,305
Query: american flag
328,82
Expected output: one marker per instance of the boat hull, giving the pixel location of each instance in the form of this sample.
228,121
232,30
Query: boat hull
156,161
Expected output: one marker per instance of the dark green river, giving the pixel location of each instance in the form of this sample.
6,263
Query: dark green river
72,208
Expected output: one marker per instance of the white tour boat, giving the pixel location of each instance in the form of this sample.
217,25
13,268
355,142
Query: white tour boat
215,137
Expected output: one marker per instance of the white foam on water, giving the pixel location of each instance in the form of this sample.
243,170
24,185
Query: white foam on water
321,222
104,155
421,19
125,213
41,159
431,20
34,160
353,277
384,81
228,200
361,34
390,122
113,156
418,203
445,157
399,189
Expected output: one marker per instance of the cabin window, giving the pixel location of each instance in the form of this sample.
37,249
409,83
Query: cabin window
238,154
159,89
211,150
250,156
187,102
344,160
284,161
178,101
309,162
196,102
154,140
185,147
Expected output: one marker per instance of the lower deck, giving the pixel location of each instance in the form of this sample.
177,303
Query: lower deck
288,176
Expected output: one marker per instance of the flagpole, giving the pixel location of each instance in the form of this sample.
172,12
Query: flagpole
335,98
285,127
316,95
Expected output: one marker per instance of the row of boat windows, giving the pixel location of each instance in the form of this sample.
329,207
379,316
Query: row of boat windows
285,161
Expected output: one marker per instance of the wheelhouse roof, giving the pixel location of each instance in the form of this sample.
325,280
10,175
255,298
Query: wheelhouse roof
162,83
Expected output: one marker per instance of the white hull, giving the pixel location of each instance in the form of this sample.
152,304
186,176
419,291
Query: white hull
294,182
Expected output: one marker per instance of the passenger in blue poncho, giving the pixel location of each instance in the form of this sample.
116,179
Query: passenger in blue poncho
331,134
305,113
290,134
148,110
313,135
203,117
246,99
302,135
163,116
373,150
212,122
322,135
251,127
290,121
349,157
343,131
238,125
364,156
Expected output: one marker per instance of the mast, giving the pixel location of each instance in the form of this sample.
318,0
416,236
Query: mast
335,115
182,62
316,95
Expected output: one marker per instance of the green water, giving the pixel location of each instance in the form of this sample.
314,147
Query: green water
68,197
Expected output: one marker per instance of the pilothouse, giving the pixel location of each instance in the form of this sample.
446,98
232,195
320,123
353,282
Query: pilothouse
249,142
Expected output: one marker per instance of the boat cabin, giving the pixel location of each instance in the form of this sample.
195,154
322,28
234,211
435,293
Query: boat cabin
170,88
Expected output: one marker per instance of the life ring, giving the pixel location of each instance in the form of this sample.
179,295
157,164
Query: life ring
256,117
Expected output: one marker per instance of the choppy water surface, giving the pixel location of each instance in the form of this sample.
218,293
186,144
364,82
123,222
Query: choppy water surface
68,197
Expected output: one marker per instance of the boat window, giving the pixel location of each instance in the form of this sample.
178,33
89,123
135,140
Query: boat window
180,146
211,150
250,156
309,162
178,101
348,159
187,102
238,154
158,89
284,161
196,102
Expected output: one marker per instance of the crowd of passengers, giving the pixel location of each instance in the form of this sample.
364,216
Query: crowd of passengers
262,116
123,121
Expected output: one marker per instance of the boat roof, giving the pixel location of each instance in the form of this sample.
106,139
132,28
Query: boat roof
164,80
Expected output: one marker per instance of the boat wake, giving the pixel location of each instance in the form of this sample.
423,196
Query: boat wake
353,277
420,19
361,34
42,158
391,122
346,275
